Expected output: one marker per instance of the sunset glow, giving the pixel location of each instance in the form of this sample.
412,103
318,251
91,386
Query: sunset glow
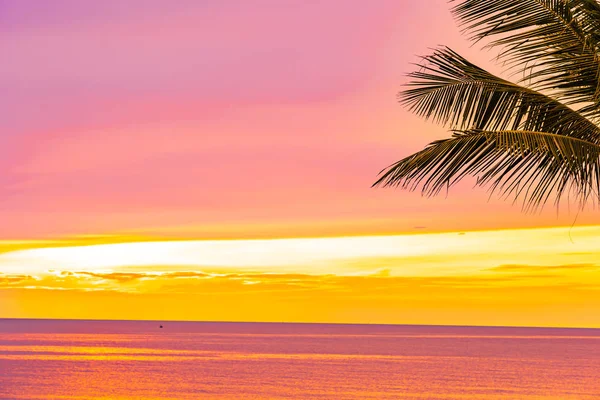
185,161
511,277
267,199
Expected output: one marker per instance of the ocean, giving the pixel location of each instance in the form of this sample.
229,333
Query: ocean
52,359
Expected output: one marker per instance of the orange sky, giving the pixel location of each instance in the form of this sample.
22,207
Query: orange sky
142,120
537,277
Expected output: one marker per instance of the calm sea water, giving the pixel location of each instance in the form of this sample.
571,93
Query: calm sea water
138,360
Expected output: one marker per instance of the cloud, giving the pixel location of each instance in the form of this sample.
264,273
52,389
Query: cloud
354,266
541,268
8,280
121,277
581,253
179,281
377,282
186,274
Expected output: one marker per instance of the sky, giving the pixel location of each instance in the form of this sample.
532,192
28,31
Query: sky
213,160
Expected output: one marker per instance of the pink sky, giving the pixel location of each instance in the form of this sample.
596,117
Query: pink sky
221,118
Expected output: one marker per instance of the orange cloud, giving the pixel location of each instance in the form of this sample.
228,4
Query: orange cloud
496,278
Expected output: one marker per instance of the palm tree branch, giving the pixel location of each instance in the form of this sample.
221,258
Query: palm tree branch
527,164
559,36
455,92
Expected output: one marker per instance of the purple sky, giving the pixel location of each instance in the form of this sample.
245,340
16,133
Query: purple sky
209,118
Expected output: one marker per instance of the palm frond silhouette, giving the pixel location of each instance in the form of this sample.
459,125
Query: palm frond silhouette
533,139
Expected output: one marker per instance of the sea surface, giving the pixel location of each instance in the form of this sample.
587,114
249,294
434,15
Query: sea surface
46,359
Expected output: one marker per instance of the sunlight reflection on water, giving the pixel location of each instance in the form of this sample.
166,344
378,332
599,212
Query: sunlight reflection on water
133,360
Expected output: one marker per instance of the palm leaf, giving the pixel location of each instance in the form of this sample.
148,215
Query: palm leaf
453,91
524,164
553,43
529,140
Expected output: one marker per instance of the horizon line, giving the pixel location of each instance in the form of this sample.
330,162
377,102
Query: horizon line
298,323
